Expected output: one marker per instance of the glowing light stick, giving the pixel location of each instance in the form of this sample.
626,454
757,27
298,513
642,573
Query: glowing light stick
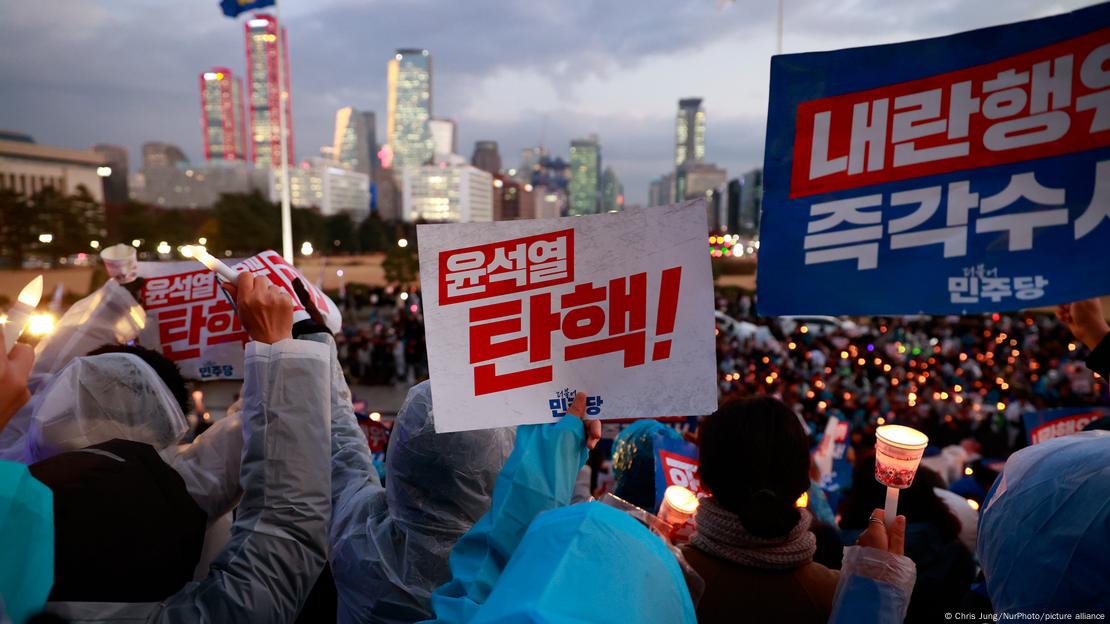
20,313
201,255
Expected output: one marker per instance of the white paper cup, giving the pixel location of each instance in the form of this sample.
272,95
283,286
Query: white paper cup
898,452
121,261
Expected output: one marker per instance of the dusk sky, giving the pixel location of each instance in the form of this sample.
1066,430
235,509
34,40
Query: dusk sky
79,72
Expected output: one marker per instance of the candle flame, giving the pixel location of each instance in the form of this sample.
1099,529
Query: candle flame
681,499
31,293
902,436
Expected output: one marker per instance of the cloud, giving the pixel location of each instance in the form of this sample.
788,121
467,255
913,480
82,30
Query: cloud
77,72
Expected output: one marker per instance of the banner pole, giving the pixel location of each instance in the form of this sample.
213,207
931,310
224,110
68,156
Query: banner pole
286,212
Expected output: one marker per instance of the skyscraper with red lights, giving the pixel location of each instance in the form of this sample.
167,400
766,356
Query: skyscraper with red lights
222,117
264,93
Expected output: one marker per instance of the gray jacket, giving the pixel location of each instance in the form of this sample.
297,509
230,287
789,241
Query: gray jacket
279,539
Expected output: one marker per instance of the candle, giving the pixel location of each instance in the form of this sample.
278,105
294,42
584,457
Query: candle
20,313
898,452
201,255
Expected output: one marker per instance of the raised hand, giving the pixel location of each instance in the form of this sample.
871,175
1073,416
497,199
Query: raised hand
15,368
592,426
266,310
1085,320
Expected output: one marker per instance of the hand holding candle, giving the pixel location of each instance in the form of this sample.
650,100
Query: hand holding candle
200,254
898,452
20,313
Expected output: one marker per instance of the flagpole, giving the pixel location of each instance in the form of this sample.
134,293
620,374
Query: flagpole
286,212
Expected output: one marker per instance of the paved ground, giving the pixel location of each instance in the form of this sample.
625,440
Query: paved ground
384,399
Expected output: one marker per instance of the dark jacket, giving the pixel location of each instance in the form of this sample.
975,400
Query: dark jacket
1099,358
735,593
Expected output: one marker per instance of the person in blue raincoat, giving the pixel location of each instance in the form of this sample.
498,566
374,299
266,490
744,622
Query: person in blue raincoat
532,559
1044,530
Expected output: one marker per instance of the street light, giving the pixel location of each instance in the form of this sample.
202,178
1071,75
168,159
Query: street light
136,242
95,244
404,242
202,240
104,172
46,238
164,248
306,248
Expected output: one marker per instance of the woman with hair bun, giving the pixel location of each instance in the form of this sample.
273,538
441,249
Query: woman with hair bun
753,546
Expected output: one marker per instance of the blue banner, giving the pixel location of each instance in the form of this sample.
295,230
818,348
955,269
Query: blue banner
1047,424
955,175
232,8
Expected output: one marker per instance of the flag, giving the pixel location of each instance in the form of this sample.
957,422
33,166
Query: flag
232,8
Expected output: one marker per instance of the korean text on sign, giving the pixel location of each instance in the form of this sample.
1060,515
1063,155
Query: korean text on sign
521,315
192,313
968,173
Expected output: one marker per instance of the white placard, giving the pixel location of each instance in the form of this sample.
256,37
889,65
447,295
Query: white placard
193,322
520,314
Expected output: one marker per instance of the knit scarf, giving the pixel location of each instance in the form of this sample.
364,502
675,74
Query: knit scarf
721,534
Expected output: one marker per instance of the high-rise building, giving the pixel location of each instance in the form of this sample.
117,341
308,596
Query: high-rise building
197,186
732,209
387,195
455,193
355,143
552,173
264,92
751,201
443,133
513,199
115,176
612,191
689,132
486,157
693,179
221,115
157,154
530,158
410,108
585,176
327,186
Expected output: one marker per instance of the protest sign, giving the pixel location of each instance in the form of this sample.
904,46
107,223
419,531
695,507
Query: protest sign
193,322
831,459
953,175
1047,424
676,463
520,314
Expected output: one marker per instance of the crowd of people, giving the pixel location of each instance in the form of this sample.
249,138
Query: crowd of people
383,347
953,378
276,513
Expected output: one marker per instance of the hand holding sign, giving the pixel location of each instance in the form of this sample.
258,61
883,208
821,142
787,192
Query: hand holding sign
591,426
1085,320
265,309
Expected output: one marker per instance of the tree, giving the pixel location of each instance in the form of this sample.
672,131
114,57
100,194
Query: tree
246,224
340,227
17,221
401,265
373,234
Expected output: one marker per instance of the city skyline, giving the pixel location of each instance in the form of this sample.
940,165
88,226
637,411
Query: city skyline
80,78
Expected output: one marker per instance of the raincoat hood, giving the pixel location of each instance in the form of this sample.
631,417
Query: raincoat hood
1045,529
440,481
589,563
103,397
634,461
